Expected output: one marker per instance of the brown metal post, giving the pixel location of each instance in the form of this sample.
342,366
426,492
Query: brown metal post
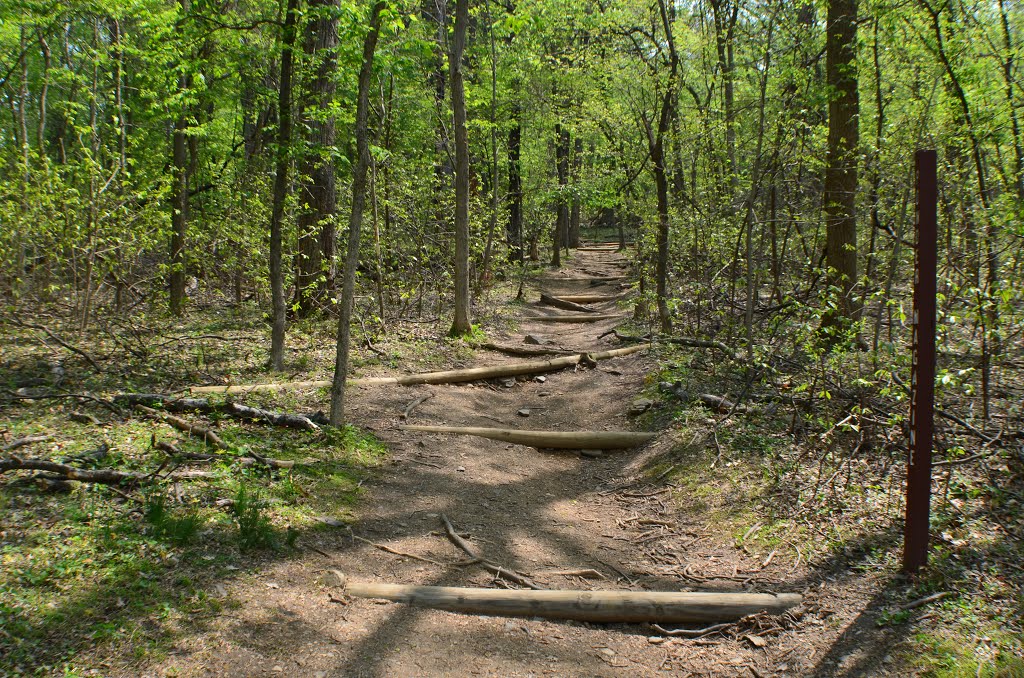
922,384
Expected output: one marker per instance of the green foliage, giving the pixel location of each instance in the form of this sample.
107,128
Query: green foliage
254,527
178,530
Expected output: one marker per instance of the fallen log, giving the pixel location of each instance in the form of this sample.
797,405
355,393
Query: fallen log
571,318
592,606
526,351
445,377
589,298
564,304
564,440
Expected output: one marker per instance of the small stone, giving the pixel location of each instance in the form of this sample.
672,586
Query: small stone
461,469
534,339
507,383
540,379
593,454
655,640
523,412
607,652
639,406
278,669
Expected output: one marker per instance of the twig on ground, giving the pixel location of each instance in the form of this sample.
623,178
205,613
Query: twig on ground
396,552
689,633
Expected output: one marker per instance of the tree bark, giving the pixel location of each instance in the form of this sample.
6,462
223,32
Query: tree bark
840,191
461,324
355,221
284,138
317,195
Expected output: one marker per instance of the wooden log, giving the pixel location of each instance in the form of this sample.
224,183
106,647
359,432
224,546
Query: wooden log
572,318
631,607
565,440
445,377
527,351
564,304
589,298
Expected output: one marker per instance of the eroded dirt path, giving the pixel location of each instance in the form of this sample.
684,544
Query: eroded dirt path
538,512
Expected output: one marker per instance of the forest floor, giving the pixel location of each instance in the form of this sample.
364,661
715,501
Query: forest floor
675,515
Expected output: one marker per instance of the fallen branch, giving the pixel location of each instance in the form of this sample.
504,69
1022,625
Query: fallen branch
232,409
392,551
102,476
920,602
22,442
564,304
592,606
416,403
177,422
681,341
588,573
445,377
566,440
571,318
77,351
483,562
690,633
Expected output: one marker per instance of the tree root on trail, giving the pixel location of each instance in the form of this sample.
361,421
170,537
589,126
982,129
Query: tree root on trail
483,562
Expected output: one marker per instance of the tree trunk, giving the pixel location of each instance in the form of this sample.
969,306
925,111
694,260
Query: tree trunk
840,194
317,196
284,138
355,221
515,188
574,211
562,209
179,198
461,324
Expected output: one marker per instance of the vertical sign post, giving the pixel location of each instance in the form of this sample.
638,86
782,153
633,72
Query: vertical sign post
922,384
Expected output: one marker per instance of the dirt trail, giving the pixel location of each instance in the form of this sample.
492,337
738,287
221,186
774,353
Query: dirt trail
533,511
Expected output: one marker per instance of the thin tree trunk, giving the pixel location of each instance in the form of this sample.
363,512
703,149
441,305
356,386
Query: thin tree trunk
179,196
461,324
284,140
574,211
515,187
355,220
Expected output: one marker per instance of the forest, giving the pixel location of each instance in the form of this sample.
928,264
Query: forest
614,298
